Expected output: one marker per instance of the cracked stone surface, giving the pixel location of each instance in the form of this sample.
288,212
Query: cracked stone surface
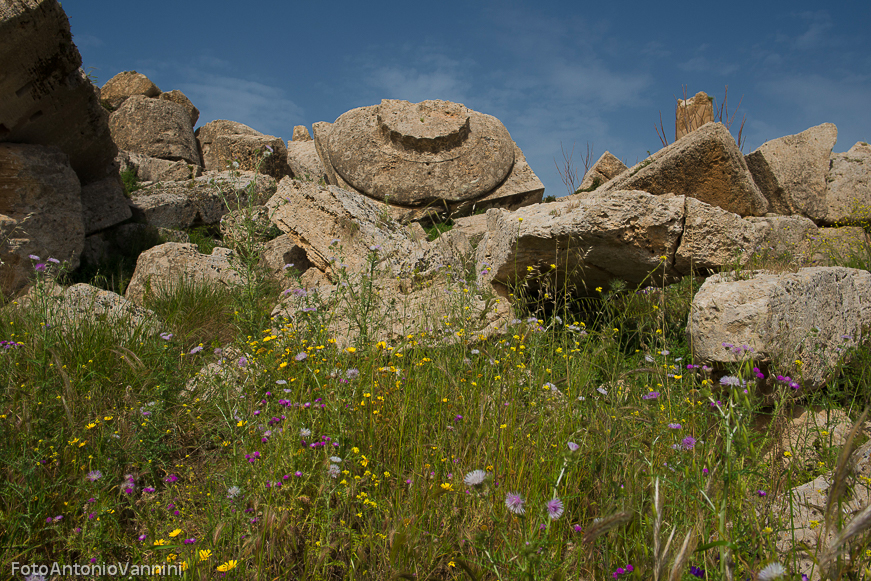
414,153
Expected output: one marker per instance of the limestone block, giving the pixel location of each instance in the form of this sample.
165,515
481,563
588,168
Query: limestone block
848,197
416,153
156,128
104,204
162,267
591,240
802,315
791,171
329,222
40,211
227,144
46,98
304,162
203,200
604,170
177,96
300,133
706,164
127,84
692,113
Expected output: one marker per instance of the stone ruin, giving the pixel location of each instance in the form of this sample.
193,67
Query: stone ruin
435,153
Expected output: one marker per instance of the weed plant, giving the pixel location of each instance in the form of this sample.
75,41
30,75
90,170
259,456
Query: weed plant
582,444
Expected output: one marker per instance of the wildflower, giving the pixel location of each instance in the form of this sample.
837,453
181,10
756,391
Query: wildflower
573,447
650,395
94,475
205,554
304,433
141,538
334,471
233,492
302,355
554,508
196,350
697,572
190,541
147,489
352,373
602,390
475,477
228,566
242,362
688,443
514,502
773,570
730,381
160,542
166,336
335,460
175,533
674,426
761,493
171,478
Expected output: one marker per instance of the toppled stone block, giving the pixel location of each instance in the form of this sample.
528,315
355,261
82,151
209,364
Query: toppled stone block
692,113
201,201
812,316
228,144
160,268
301,134
791,171
127,84
180,98
47,99
155,128
848,197
433,153
40,209
706,164
604,170
104,204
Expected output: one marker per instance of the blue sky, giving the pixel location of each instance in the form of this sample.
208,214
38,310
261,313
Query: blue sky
555,73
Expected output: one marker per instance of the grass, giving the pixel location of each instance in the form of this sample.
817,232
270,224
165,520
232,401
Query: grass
232,445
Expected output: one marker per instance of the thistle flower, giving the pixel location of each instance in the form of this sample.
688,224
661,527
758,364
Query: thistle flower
514,503
773,570
94,475
650,395
554,508
475,477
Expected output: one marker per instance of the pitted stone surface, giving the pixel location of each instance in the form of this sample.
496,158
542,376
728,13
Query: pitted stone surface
416,153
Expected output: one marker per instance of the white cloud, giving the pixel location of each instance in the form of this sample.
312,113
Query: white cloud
87,41
258,105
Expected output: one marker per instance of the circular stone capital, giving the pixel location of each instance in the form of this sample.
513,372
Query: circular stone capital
416,153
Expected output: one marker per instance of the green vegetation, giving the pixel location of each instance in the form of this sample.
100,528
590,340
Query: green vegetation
574,446
130,181
435,230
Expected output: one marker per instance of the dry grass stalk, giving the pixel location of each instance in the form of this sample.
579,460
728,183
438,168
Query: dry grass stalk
689,545
603,526
839,485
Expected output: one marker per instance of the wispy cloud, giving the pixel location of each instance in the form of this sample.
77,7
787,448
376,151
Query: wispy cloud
221,91
87,41
817,26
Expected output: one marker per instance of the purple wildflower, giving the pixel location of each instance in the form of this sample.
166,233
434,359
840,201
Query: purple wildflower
554,508
514,502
